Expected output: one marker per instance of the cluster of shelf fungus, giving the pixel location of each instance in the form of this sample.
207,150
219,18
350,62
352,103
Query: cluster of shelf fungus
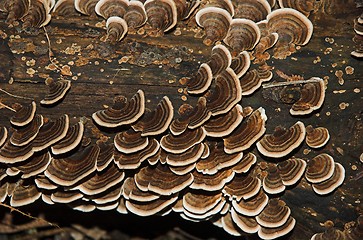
199,162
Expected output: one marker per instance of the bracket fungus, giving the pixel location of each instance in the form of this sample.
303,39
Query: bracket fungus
86,7
24,114
3,135
161,14
316,137
38,14
111,8
320,168
116,28
255,10
25,135
57,91
135,15
303,6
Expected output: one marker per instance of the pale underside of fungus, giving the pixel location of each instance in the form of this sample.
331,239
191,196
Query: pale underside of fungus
198,163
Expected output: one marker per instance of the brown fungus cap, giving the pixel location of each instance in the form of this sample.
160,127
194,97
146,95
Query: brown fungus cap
253,79
181,143
320,168
200,202
274,215
156,122
253,206
249,131
272,182
135,15
25,135
161,180
291,170
312,98
57,91
213,182
51,133
122,112
241,63
220,60
303,6
243,34
38,14
130,141
152,207
245,223
230,226
226,93
255,10
70,170
61,196
246,163
215,22
109,8
283,141
3,135
316,137
272,233
188,157
24,114
161,14
24,193
242,186
200,114
134,160
43,182
35,165
202,80
223,125
15,11
10,153
332,183
72,139
185,8
65,8
116,28
105,156
131,192
182,170
195,217
86,7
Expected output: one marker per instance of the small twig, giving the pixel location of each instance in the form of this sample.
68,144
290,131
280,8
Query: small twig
50,52
15,96
281,84
7,107
12,209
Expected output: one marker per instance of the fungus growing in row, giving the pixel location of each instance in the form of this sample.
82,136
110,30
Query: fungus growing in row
215,22
272,182
57,91
161,14
242,186
274,215
188,157
213,182
156,122
312,98
105,156
247,133
24,114
200,202
3,135
265,43
283,141
320,168
251,9
116,28
291,170
122,112
61,196
65,8
252,206
332,183
220,59
86,7
316,137
131,192
303,6
72,139
33,166
199,83
230,226
185,8
245,223
272,233
25,135
130,141
110,8
43,182
241,63
135,15
24,193
293,28
10,153
252,80
38,14
245,164
243,34
152,207
68,171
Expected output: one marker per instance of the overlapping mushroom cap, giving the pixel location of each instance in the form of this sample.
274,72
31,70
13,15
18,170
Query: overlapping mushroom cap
57,91
86,7
161,14
110,8
116,28
38,14
303,6
255,10
65,8
23,115
135,15
15,11
316,137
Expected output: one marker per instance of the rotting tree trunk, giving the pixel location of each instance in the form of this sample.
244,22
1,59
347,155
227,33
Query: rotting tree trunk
101,71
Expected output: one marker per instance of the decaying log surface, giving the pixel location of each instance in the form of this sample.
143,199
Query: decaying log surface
101,71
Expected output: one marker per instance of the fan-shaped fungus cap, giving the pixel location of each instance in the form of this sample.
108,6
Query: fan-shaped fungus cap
199,114
70,170
272,182
213,182
282,141
25,135
109,8
108,197
274,215
65,8
330,233
188,157
157,121
3,135
320,168
24,114
266,42
220,60
217,159
250,82
246,163
249,131
122,112
200,202
161,180
305,7
241,63
10,153
245,223
161,14
201,81
101,181
61,196
150,208
15,11
291,170
57,91
44,183
242,186
24,193
251,9
243,34
86,7
252,206
131,192
230,226
130,141
50,133
134,160
223,125
226,93
35,165
185,8
105,156
116,28
332,183
215,22
272,233
38,14
316,137
312,98
181,143
135,15
71,140
182,170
